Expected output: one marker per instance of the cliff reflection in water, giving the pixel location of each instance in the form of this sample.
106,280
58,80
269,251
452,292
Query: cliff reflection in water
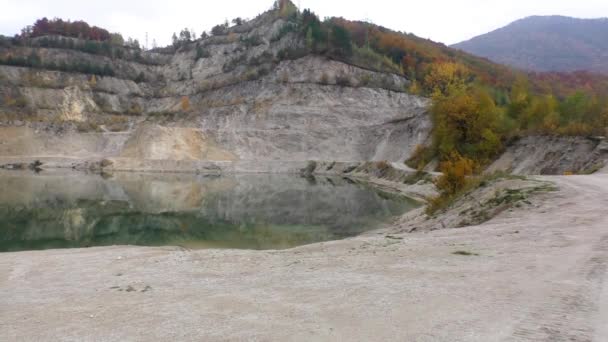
64,210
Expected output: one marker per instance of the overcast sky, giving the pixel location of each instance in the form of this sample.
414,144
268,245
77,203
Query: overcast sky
447,21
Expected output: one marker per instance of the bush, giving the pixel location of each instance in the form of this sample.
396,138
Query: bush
252,41
201,53
185,104
19,101
292,53
371,59
343,80
454,182
285,29
455,172
324,79
220,30
234,63
421,156
265,57
140,78
135,109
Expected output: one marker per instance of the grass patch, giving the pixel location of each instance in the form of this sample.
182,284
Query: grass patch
593,169
418,176
444,201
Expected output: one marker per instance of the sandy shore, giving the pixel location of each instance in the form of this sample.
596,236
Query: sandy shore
539,276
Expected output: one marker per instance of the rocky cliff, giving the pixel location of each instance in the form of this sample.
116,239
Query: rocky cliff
552,155
249,94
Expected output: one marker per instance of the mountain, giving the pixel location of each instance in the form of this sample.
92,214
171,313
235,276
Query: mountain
546,43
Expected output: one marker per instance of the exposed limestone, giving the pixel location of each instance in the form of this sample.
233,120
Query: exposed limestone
553,156
172,143
75,104
237,100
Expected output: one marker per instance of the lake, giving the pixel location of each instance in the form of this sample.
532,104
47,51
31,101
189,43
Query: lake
65,209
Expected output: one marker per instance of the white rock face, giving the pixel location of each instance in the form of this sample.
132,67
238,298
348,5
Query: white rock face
312,122
238,96
548,155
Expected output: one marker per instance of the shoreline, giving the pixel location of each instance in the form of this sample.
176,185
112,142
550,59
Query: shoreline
533,274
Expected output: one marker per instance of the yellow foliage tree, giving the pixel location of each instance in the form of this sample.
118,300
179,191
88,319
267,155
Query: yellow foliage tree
455,172
445,78
465,122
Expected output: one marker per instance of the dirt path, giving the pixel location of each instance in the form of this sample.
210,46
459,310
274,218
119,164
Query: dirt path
540,276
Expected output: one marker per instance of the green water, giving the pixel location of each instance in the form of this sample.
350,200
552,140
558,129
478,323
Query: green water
70,209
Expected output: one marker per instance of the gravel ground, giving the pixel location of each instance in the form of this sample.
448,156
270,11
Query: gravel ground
535,274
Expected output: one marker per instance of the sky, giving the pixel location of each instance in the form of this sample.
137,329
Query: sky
443,21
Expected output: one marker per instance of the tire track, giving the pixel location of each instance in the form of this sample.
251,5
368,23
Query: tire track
570,310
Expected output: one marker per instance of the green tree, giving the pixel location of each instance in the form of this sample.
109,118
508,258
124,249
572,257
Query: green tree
309,39
341,42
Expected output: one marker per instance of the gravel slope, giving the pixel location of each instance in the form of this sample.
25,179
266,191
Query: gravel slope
539,276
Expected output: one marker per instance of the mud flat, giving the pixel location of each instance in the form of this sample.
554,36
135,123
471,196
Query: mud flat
535,273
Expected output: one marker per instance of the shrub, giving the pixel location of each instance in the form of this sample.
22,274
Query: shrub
421,156
343,80
292,53
285,77
285,29
220,30
452,183
252,41
371,59
455,172
382,167
324,78
202,53
365,80
251,75
140,78
135,109
185,104
19,101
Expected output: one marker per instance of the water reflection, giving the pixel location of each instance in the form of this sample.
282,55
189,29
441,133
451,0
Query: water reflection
63,210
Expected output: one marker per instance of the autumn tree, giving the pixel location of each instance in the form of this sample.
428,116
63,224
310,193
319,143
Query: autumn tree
75,29
455,171
445,78
466,122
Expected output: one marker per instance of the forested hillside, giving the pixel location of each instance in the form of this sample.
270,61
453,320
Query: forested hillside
478,105
546,43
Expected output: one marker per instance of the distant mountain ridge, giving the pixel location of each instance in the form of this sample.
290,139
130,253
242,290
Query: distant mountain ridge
546,43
